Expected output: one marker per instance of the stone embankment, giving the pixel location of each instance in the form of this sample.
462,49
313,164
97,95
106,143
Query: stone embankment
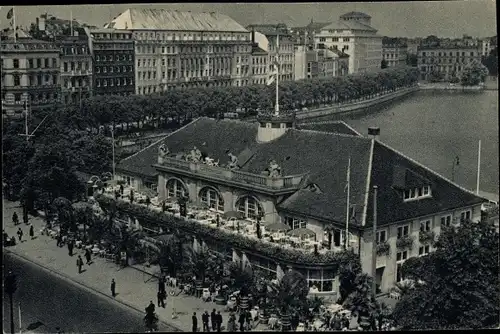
450,87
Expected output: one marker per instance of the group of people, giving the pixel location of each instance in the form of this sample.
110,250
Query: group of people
336,322
210,321
11,241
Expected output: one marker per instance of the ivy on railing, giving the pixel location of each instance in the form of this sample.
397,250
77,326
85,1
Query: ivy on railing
426,237
275,252
405,242
383,248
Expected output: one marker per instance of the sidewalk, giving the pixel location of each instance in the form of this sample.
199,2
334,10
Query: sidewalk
134,288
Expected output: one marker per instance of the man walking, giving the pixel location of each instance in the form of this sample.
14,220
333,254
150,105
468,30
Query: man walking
32,232
241,320
204,319
195,322
20,234
213,318
160,301
79,263
219,321
161,284
87,256
70,249
113,287
15,218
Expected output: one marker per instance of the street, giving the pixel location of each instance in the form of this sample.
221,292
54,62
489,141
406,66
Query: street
48,302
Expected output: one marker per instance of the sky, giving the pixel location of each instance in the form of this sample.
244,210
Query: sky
403,19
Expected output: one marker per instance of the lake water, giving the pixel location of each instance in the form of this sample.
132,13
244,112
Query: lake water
435,127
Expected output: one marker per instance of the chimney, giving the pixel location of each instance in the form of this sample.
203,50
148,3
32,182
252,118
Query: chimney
374,132
253,34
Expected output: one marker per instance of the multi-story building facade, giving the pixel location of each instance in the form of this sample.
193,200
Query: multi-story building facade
305,193
394,51
326,63
30,73
177,49
448,61
113,61
488,44
353,35
259,66
285,55
76,67
300,60
305,35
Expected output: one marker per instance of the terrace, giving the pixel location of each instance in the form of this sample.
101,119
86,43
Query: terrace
275,240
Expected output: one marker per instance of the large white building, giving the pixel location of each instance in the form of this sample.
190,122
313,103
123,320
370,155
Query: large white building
186,49
353,35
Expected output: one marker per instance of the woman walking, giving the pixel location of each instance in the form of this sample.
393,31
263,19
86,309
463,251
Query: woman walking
32,232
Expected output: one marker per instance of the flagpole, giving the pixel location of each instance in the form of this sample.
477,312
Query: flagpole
478,166
26,120
348,203
277,106
71,22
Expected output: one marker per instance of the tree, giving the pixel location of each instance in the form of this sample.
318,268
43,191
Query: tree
362,301
383,64
474,74
491,62
457,286
289,296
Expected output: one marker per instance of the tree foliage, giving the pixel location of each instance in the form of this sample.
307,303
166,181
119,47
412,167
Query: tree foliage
474,74
491,62
457,286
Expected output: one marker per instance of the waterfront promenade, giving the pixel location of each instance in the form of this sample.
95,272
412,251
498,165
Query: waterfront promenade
135,288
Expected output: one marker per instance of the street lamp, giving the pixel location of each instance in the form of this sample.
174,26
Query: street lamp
10,289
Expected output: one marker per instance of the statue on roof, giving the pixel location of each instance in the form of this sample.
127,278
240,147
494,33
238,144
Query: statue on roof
274,169
194,155
233,161
163,151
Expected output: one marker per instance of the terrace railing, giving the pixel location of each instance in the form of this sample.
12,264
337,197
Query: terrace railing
290,182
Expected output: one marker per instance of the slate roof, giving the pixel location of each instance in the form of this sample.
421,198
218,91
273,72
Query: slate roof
163,19
330,126
322,151
348,25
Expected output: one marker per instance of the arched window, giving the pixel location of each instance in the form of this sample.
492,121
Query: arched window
249,206
212,199
175,189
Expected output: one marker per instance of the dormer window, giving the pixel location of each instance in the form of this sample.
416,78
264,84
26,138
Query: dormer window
417,193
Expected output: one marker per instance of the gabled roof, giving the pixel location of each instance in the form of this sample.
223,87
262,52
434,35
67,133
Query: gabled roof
358,14
331,127
391,207
321,151
163,19
348,25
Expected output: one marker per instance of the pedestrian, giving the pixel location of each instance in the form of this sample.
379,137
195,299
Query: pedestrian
231,323
161,284
213,319
160,299
121,189
59,239
88,256
70,249
15,218
20,234
151,307
205,319
218,320
113,287
32,232
241,320
79,263
195,322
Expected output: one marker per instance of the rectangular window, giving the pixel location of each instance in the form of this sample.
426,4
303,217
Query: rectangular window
424,250
446,220
425,225
400,259
15,63
295,223
381,237
403,231
466,215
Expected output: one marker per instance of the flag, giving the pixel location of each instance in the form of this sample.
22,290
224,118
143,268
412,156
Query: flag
10,13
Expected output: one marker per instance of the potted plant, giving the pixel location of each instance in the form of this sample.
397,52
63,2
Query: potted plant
383,248
426,236
405,242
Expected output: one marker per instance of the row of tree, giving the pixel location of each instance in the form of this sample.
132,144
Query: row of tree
491,62
212,102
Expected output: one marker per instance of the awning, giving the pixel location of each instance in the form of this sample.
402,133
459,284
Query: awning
301,232
233,214
277,227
